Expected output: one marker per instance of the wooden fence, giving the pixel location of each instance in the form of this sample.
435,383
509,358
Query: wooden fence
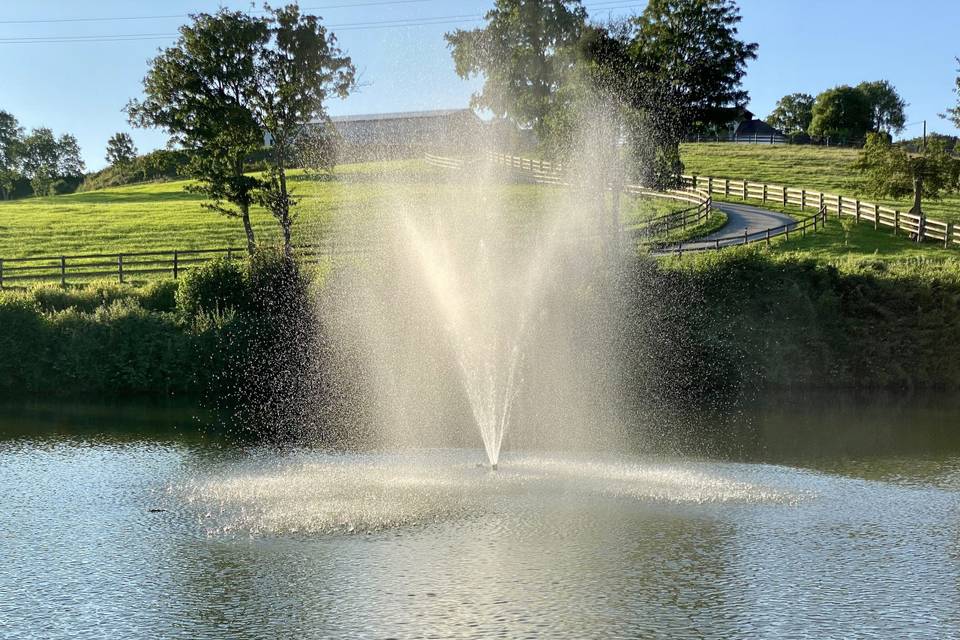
126,267
915,226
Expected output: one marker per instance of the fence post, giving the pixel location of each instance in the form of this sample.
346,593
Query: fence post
768,237
820,202
744,190
726,187
120,267
63,270
896,222
839,207
858,211
1,273
783,196
709,184
803,199
922,227
876,217
176,264
946,238
764,193
745,236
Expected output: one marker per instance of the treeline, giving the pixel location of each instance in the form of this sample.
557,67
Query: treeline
841,115
37,162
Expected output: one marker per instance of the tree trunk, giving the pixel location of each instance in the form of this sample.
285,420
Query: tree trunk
917,192
248,228
286,224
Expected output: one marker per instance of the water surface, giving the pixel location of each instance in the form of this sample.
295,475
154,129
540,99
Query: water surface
813,517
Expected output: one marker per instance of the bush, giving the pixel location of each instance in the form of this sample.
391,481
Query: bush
160,296
214,288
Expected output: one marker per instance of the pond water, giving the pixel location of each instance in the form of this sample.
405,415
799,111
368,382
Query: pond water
809,518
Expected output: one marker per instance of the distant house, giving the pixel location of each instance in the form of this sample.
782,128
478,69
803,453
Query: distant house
757,131
406,135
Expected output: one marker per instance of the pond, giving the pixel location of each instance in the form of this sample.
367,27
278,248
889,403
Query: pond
805,517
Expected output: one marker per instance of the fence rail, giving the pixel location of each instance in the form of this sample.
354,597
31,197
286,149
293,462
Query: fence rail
131,266
918,227
810,223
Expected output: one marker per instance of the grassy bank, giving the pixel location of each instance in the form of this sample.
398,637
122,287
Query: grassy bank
827,169
712,325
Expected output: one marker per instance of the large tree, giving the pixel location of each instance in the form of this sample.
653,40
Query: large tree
888,170
841,114
887,108
296,71
676,67
196,91
11,152
689,54
120,150
233,81
793,114
524,54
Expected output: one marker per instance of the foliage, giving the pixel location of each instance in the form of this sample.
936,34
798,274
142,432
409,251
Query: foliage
793,114
233,79
162,164
523,54
11,151
47,160
689,51
196,91
841,113
214,289
887,108
120,150
296,70
890,171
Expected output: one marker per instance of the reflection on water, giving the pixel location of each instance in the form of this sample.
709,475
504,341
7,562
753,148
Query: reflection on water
809,518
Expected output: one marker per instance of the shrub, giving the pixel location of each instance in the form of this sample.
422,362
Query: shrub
214,288
160,296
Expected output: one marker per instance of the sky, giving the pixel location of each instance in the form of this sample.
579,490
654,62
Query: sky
72,65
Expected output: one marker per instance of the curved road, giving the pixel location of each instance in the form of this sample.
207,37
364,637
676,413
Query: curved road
741,219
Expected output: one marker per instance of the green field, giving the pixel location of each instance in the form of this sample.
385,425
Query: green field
163,216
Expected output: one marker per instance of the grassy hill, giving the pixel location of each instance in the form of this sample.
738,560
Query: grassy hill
163,216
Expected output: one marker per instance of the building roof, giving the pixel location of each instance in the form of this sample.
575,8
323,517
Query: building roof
756,127
402,115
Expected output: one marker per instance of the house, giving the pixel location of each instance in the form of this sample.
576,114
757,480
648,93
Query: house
406,135
757,131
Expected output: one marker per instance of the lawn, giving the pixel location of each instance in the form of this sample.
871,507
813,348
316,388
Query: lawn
164,217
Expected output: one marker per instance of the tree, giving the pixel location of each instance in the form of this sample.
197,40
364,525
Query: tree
48,160
677,66
793,114
296,70
887,108
523,54
11,151
888,170
196,91
120,150
841,113
233,80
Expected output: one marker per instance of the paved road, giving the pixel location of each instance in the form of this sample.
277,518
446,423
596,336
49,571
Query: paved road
741,218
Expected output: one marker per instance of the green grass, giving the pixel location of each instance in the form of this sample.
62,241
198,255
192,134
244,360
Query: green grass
163,216
827,169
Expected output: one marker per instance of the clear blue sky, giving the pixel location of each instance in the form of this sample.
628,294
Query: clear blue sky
81,87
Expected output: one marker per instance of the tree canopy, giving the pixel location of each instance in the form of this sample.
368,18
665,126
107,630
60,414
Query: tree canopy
841,113
47,161
120,150
793,114
887,108
233,80
523,53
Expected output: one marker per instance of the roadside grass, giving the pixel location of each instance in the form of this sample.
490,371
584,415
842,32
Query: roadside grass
163,216
827,169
